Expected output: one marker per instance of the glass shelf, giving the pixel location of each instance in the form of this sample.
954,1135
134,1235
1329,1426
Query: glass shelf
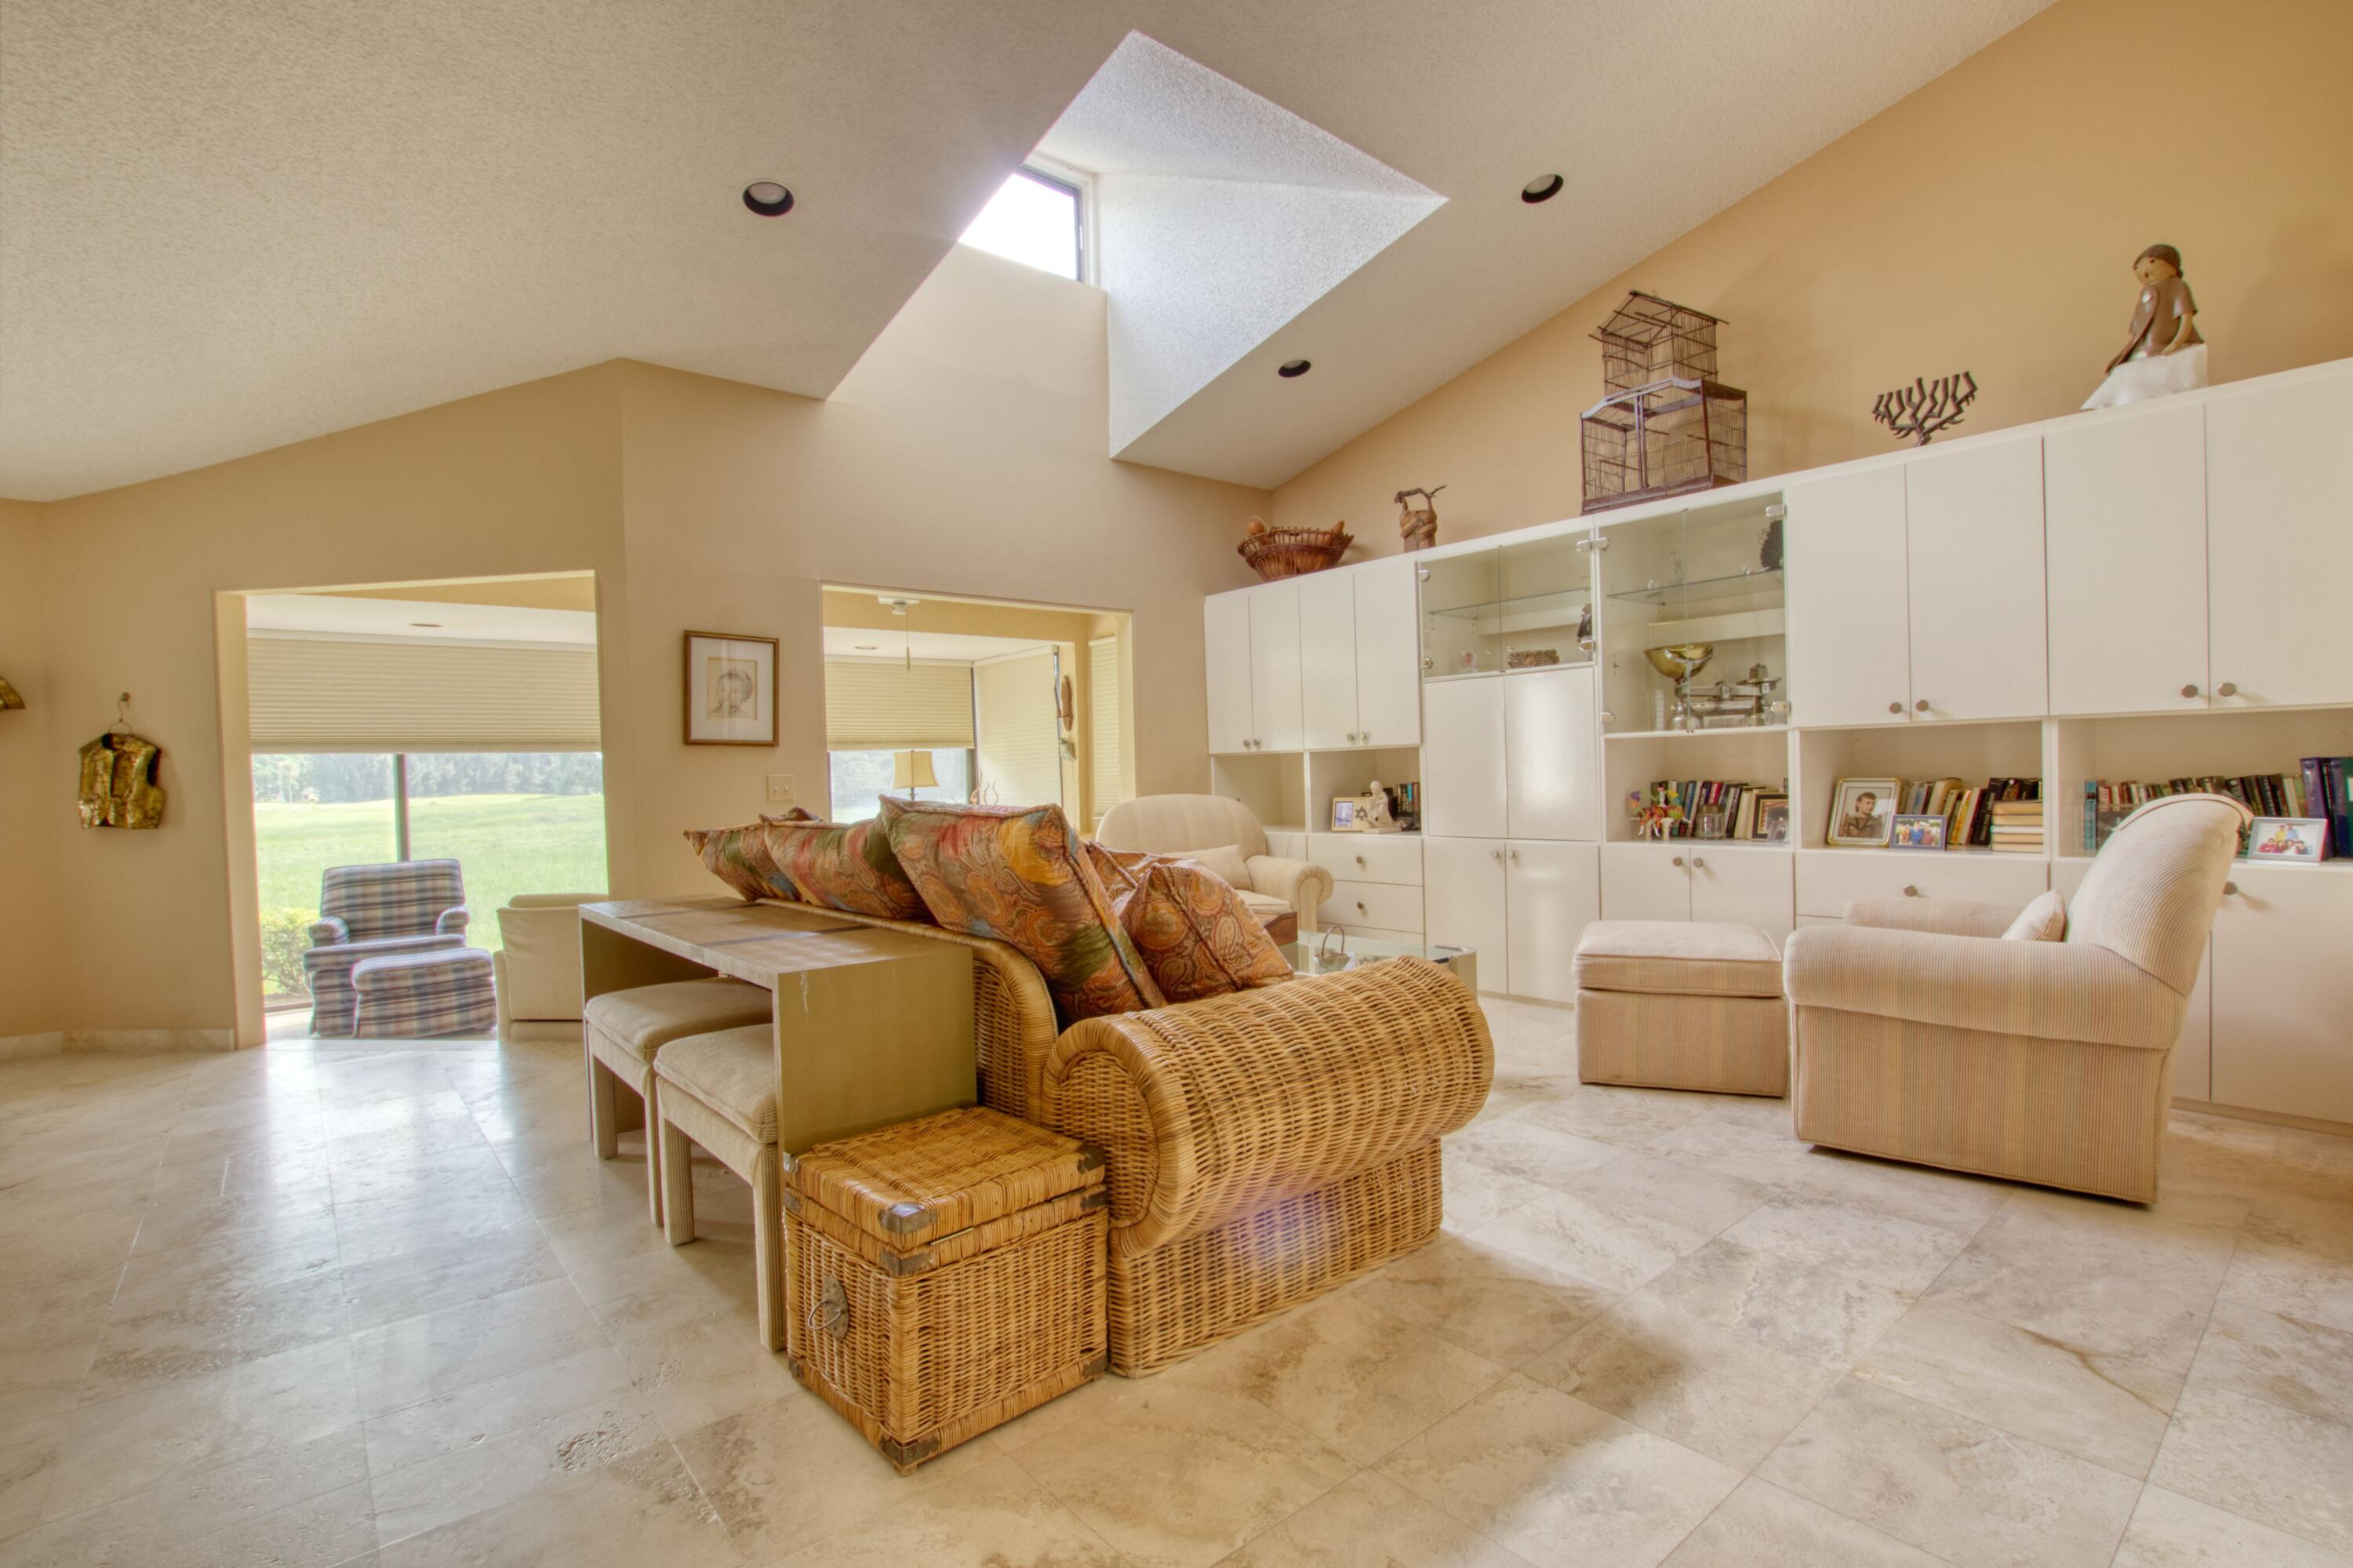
1764,588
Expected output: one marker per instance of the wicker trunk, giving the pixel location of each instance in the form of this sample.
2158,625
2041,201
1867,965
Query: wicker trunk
947,1275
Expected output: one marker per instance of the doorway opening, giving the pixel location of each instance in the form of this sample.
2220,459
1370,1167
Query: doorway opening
445,721
938,697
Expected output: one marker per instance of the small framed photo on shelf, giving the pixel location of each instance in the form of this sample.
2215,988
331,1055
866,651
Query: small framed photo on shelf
1918,832
730,689
2301,840
1348,815
1863,813
1772,823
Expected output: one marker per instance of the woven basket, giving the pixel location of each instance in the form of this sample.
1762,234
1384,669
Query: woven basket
1293,552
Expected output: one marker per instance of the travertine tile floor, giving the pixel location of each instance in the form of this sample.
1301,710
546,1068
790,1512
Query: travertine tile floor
380,1306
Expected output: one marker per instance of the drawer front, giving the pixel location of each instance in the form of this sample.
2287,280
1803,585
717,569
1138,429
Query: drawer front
1368,857
1829,880
1355,903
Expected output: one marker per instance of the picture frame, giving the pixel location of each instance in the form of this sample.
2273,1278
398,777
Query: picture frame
2289,841
1920,831
1863,813
1772,823
730,689
1347,816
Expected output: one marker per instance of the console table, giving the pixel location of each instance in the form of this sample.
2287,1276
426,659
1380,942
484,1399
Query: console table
873,1026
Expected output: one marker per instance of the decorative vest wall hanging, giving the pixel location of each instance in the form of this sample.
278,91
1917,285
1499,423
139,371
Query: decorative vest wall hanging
118,777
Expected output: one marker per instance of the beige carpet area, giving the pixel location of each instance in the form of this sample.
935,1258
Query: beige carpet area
379,1305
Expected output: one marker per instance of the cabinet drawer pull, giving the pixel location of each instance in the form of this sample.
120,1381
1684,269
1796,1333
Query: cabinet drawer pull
1360,860
2226,689
1679,860
2230,887
1910,891
1360,907
2189,691
1515,857
1921,707
1495,856
1895,707
1698,863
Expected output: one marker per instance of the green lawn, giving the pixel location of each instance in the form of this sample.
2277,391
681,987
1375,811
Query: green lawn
506,843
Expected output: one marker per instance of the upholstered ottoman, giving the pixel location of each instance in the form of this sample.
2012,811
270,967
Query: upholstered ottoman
625,1030
1676,1004
418,995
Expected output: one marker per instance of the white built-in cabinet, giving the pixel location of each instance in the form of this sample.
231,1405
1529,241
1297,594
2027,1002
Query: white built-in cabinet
1464,902
1225,653
1519,904
1462,759
1360,674
1916,589
2283,993
2279,537
1744,884
1512,756
1277,721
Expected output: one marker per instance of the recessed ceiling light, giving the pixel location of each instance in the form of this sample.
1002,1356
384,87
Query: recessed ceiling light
767,198
1290,368
1543,187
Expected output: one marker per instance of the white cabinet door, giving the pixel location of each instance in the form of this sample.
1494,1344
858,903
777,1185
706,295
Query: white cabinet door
1462,759
1389,661
1744,887
1226,639
2124,505
1274,668
1327,660
1553,891
2279,530
2284,993
1850,642
1973,532
1552,763
1645,881
1464,902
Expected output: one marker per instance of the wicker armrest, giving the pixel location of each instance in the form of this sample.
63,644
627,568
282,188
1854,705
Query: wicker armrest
1211,1111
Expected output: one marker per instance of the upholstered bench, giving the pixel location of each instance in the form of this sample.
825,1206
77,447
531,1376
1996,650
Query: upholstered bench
1677,1004
625,1032
719,1091
419,994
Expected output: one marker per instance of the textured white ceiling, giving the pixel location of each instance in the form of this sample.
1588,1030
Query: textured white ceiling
230,226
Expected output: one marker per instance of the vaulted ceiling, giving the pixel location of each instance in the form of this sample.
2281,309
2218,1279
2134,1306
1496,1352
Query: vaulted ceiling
228,227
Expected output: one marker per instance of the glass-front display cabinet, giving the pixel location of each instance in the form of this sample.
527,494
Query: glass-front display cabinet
1694,618
1525,606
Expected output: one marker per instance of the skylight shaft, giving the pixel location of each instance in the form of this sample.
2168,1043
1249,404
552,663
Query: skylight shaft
1033,220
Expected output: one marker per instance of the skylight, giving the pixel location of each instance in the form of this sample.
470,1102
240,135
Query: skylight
1033,219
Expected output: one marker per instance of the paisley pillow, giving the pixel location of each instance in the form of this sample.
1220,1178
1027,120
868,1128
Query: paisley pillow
1195,933
845,866
739,857
1020,875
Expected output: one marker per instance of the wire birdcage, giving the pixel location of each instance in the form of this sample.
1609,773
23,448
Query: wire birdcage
1667,438
1649,339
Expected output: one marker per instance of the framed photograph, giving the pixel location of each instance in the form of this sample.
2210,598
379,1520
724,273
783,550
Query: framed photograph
2303,839
1772,823
730,690
1348,815
1918,832
1863,813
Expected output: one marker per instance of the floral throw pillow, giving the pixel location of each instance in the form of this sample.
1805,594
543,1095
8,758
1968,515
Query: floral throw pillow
1195,933
1020,875
845,866
739,857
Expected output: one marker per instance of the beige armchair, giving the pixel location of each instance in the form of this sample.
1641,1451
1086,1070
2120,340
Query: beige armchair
1918,1034
538,965
1185,825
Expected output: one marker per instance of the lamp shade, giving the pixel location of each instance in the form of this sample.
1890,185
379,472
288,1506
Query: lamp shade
911,771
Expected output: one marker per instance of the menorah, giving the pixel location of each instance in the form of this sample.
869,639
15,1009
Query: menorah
1923,407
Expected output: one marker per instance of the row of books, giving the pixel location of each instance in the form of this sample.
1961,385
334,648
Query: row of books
2317,789
1715,809
2003,814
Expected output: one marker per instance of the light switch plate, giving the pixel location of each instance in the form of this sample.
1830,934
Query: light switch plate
780,788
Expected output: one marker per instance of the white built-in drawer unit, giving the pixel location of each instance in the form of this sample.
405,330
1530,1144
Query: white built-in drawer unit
1389,905
1368,857
1830,879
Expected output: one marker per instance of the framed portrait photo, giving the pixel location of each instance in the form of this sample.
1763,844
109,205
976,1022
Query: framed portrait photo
1918,832
2295,840
730,690
1772,820
1863,813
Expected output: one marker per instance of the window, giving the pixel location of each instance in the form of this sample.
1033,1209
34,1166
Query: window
860,779
1103,724
1037,219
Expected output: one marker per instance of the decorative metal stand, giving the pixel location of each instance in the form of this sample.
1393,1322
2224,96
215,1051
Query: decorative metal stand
1925,407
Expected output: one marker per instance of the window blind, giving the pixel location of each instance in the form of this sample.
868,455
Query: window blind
1020,750
884,706
322,695
1103,722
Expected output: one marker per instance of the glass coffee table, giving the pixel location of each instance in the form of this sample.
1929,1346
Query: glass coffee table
1329,952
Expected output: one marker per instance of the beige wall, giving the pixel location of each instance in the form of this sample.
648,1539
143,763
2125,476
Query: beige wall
1987,223
698,503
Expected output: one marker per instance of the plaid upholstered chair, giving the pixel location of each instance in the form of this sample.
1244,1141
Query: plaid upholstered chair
369,912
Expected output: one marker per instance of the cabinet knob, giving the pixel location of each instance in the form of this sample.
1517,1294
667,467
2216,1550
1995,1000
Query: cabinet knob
2189,691
1360,907
1910,891
1515,857
1895,707
1360,860
1608,718
1495,856
2230,887
1679,860
2226,689
1921,707
1698,863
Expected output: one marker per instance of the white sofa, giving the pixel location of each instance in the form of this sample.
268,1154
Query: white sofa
1185,825
538,966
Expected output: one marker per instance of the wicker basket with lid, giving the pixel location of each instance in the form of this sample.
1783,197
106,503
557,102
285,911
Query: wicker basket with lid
947,1275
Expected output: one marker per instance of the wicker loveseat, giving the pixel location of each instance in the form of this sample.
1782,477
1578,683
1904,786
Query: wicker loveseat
1263,1147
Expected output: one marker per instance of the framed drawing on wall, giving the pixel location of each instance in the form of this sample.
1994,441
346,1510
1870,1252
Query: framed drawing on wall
730,690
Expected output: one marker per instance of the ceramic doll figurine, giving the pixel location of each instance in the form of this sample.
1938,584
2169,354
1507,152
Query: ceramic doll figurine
2164,355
